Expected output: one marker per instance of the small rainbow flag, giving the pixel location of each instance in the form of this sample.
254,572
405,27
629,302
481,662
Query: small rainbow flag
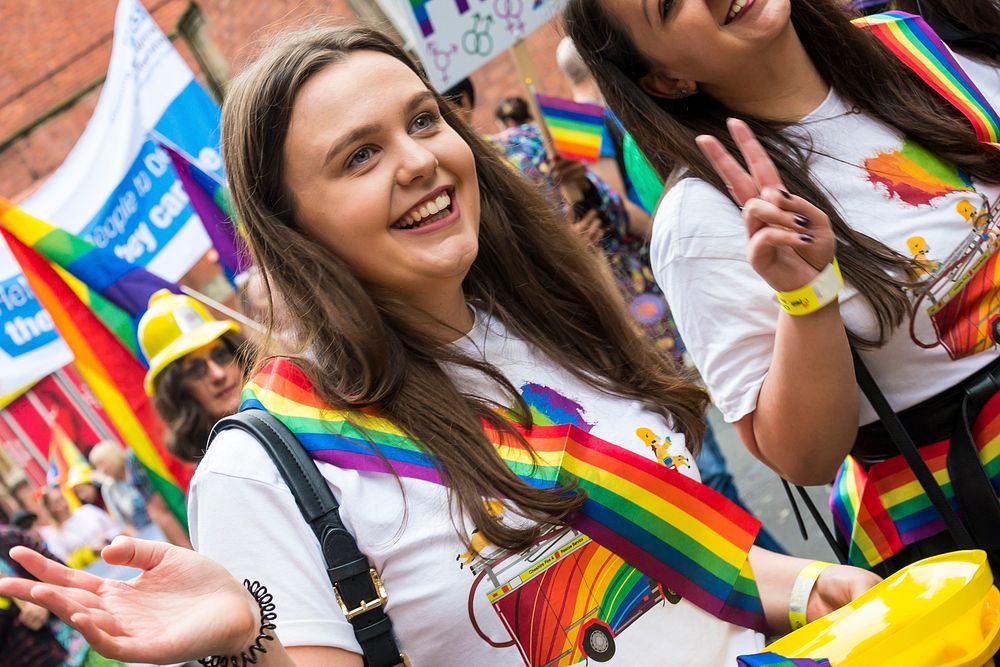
918,46
885,508
774,660
576,128
111,371
673,529
64,460
210,199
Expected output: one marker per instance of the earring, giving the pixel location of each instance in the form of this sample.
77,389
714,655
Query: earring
682,92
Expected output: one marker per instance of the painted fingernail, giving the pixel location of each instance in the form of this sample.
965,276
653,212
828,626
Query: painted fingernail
801,220
785,194
808,238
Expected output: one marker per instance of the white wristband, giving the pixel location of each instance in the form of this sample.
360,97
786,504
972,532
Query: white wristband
801,590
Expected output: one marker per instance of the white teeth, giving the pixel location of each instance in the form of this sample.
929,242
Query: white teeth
426,210
735,9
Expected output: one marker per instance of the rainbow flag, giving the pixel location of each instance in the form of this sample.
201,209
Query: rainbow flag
576,128
115,290
673,529
110,370
883,509
774,660
210,199
919,47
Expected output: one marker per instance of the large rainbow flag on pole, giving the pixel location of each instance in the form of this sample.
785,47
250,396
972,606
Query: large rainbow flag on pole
576,128
210,200
115,290
108,366
918,46
673,529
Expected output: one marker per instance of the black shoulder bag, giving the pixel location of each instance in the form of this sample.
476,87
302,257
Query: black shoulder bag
355,582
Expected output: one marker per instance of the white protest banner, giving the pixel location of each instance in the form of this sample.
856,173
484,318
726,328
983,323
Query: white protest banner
116,188
30,348
456,37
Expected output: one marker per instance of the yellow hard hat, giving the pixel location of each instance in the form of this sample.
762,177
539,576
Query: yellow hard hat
175,325
943,611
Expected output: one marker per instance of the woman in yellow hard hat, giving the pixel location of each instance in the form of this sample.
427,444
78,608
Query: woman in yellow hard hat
195,369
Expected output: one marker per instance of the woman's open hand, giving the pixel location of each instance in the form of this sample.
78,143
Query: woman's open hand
790,240
183,606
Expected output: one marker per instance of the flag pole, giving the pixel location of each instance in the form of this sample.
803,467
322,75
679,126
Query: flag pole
222,308
526,70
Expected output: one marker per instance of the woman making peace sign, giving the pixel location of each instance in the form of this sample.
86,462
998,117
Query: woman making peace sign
859,169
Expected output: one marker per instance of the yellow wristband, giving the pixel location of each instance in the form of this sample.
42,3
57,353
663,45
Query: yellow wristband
823,290
801,590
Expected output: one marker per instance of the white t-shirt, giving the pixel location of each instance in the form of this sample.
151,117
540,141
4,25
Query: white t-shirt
243,516
884,187
88,526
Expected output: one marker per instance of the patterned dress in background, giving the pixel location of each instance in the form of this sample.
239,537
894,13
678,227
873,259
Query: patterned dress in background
627,255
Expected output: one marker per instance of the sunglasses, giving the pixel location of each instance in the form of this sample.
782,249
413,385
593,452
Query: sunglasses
196,369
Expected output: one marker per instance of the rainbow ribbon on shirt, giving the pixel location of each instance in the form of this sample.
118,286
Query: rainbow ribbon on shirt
918,46
668,526
883,509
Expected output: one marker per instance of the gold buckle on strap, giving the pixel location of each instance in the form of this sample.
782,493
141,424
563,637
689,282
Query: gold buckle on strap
383,597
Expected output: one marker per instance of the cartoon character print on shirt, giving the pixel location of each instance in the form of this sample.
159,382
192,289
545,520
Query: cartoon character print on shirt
915,177
565,599
661,448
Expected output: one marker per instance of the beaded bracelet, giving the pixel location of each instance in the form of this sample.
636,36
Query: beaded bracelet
267,616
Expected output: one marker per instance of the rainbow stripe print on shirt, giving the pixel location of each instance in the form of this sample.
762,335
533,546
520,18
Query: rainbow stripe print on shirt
883,509
918,46
668,526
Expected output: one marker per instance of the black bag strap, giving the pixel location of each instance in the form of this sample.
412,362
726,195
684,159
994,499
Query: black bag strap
897,432
356,584
973,488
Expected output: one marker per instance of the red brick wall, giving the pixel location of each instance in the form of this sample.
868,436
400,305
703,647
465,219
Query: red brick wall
53,50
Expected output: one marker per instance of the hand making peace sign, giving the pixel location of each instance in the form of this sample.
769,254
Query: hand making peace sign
790,240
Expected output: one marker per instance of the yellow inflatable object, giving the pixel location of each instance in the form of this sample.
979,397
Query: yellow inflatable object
174,326
939,612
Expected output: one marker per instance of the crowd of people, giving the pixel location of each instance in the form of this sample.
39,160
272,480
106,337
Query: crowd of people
459,326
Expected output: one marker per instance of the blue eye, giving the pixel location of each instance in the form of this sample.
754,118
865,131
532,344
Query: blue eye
424,121
360,156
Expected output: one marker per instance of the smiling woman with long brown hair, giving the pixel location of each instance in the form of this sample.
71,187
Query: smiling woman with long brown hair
434,293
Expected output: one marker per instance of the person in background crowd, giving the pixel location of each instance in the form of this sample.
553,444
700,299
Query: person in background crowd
196,367
463,96
80,481
427,319
611,167
873,181
130,497
27,521
30,636
512,112
76,536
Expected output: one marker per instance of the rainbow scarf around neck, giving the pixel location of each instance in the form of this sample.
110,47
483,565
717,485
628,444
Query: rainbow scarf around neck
918,46
675,530
884,508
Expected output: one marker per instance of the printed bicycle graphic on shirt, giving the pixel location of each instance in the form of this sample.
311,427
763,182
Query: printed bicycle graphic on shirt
564,600
962,293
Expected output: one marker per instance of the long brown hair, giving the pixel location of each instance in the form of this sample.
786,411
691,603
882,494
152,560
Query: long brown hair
982,16
188,424
531,274
855,64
